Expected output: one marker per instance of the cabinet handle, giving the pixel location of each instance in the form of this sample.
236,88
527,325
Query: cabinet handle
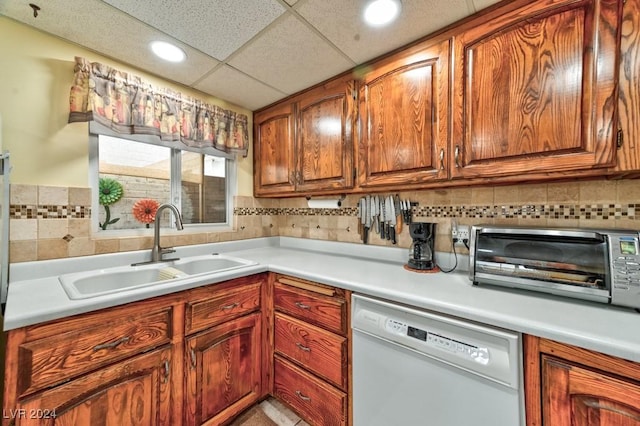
442,159
302,305
456,156
622,412
193,358
302,396
231,306
167,371
303,347
111,345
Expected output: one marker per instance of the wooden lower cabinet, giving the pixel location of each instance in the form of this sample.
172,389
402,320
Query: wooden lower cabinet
570,386
223,371
316,401
192,357
197,357
311,349
134,392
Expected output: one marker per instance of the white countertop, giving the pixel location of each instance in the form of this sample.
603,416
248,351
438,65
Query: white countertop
35,294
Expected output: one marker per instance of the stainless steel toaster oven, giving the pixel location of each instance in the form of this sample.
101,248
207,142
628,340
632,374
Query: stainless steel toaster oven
591,264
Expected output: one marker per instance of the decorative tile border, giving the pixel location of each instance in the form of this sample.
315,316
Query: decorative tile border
22,211
534,211
527,211
294,211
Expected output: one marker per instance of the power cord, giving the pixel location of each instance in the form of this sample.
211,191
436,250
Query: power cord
455,254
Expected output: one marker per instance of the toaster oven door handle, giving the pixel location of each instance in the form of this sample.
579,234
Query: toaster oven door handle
570,233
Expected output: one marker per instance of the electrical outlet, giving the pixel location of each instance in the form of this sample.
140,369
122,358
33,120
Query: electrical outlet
460,233
463,233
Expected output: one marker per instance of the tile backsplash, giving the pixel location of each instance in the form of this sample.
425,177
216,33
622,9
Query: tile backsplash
55,222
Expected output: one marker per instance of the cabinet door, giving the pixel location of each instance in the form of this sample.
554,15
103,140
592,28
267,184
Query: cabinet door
134,392
325,137
403,119
222,371
274,151
535,90
572,395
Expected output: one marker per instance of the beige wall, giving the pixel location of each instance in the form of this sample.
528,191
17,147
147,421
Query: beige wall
36,75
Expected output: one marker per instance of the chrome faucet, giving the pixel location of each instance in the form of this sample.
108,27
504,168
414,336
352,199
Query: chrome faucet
157,252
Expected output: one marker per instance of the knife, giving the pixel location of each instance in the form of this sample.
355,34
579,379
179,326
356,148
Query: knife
398,213
392,220
360,216
382,218
375,214
407,211
372,206
366,220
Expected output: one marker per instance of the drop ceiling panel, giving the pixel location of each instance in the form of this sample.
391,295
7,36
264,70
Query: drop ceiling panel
290,57
341,22
217,28
239,88
482,4
120,36
249,52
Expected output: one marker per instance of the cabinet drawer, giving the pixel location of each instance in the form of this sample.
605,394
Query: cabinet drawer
229,304
313,399
324,311
50,360
313,348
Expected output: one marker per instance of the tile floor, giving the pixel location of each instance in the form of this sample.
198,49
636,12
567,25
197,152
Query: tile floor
276,412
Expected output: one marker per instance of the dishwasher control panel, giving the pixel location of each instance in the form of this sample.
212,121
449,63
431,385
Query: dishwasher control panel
439,340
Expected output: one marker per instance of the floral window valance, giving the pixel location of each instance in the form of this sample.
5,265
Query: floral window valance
128,105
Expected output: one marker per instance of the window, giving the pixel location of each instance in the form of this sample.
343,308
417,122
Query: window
133,172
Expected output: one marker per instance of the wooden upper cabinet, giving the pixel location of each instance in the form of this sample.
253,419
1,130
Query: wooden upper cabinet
305,145
274,150
629,86
535,90
325,137
403,118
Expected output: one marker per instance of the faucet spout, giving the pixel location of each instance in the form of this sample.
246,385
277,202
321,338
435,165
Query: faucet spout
157,251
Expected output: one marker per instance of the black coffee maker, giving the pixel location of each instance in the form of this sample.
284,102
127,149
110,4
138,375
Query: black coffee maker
421,254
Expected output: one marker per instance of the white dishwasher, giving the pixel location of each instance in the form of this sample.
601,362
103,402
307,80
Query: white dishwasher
413,367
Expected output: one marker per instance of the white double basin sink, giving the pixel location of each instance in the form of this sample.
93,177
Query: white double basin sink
83,285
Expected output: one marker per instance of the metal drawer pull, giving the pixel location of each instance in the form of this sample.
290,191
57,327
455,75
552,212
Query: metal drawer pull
193,358
456,156
167,371
303,347
302,305
302,397
442,159
231,306
600,406
111,345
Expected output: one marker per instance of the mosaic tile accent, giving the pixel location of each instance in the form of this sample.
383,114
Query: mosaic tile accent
554,211
22,211
527,211
294,211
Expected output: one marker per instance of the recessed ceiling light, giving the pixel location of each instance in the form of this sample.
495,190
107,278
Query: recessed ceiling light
168,51
381,12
